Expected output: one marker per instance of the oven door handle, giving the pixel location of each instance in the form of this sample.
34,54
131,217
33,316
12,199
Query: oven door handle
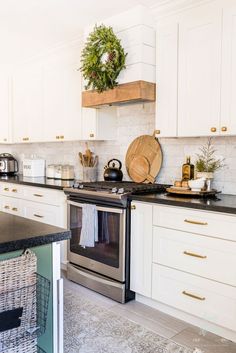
99,208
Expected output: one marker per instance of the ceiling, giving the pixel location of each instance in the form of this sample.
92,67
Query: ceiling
27,27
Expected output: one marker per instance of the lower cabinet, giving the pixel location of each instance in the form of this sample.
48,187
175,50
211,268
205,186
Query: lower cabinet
183,262
39,204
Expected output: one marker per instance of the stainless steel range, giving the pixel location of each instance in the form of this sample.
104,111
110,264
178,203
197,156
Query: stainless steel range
104,267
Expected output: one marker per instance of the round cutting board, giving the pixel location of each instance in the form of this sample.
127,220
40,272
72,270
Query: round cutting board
144,159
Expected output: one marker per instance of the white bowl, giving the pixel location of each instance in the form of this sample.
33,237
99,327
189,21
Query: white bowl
197,184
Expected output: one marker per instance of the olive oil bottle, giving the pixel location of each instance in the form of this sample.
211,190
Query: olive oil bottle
187,170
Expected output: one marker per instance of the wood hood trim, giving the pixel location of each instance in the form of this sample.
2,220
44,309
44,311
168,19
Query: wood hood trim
137,91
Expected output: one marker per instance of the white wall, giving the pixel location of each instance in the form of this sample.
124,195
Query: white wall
135,120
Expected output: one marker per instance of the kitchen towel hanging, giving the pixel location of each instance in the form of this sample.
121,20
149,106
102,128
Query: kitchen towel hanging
89,231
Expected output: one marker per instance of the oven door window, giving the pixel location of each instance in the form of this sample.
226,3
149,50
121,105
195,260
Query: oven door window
107,246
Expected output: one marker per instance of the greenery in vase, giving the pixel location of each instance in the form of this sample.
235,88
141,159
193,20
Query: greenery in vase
102,59
206,161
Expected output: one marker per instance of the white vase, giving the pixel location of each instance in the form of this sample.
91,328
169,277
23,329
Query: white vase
205,175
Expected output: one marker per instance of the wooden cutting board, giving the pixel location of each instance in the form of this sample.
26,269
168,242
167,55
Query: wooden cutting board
144,159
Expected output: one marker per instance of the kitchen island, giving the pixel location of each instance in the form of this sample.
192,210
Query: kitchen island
18,234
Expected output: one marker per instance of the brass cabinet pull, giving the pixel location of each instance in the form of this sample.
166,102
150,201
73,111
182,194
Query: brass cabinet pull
25,139
7,207
91,135
14,190
196,222
61,137
133,207
213,129
157,132
224,128
38,195
193,296
57,137
6,189
14,209
194,255
37,215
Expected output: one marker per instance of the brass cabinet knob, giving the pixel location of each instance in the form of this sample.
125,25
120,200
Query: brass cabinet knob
6,189
91,135
157,132
5,140
14,209
25,139
14,190
224,128
213,129
133,207
57,137
62,137
6,207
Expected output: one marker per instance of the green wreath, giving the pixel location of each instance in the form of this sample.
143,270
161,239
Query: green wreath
102,59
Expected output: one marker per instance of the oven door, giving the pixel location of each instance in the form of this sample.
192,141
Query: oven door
107,257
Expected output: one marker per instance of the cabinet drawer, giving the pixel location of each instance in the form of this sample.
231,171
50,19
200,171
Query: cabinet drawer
47,196
209,300
13,190
11,205
42,213
193,221
196,254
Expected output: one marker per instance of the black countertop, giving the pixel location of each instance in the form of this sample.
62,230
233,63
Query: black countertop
42,182
18,233
222,203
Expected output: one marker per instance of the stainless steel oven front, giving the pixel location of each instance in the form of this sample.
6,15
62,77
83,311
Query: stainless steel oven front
107,257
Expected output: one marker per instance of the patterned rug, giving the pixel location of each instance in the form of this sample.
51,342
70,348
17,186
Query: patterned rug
90,328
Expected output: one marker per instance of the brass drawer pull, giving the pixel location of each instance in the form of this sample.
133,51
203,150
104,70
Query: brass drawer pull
224,128
7,207
133,207
91,135
213,129
14,209
157,132
193,296
38,195
196,222
57,137
61,137
6,189
194,255
25,139
37,215
14,190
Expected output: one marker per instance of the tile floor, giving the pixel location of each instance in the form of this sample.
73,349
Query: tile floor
159,322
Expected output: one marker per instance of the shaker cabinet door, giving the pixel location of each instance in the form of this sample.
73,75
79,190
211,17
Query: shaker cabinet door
5,136
228,93
167,80
200,71
141,248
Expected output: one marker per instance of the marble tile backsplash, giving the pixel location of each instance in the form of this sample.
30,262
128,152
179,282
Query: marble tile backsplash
135,120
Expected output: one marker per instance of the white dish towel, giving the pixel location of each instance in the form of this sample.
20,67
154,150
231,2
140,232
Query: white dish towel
89,231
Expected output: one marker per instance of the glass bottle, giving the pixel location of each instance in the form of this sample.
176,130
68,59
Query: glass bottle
188,170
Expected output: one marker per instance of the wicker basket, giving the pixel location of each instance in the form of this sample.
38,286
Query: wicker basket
24,299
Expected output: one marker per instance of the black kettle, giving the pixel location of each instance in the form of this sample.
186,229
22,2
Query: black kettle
112,173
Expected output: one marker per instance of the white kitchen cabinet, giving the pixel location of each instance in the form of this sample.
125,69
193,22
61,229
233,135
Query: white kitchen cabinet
141,248
5,118
62,101
199,71
228,93
167,80
99,124
27,107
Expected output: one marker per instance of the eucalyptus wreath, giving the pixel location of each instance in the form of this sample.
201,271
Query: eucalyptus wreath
102,59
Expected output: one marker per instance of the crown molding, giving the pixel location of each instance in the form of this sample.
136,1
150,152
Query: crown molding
171,7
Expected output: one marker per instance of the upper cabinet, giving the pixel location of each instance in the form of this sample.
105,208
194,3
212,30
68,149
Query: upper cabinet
5,132
199,71
228,102
196,72
167,79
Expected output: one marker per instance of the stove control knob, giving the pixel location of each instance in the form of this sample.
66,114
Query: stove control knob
81,186
121,191
114,190
76,185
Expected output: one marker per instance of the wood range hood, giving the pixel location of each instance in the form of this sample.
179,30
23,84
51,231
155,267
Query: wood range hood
132,92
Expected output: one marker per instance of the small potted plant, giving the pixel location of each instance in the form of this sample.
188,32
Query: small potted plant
206,163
